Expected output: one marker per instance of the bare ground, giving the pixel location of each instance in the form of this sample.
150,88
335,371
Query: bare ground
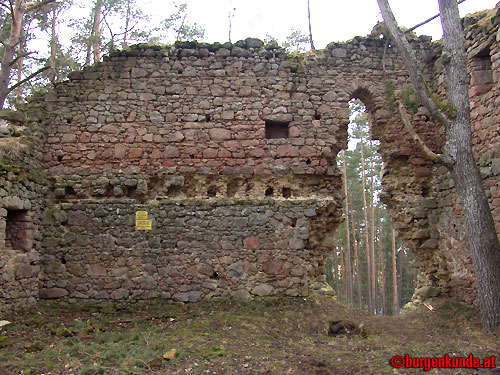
274,337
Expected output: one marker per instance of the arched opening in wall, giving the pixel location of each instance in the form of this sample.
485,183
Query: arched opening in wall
361,268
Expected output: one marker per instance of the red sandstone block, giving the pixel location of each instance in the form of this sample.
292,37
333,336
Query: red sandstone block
53,293
135,152
120,151
24,271
287,150
251,242
423,172
210,153
96,270
274,267
68,138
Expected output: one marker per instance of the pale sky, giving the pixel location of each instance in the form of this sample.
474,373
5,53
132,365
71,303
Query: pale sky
332,20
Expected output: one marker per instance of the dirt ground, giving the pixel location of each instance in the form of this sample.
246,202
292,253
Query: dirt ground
274,337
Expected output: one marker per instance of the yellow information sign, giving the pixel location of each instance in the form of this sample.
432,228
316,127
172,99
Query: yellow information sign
143,224
141,221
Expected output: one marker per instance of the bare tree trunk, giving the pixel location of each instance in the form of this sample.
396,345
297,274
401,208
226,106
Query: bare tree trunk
342,268
355,230
230,17
367,239
400,278
382,263
372,236
336,272
458,157
10,49
310,29
127,23
347,238
97,31
19,94
395,305
53,43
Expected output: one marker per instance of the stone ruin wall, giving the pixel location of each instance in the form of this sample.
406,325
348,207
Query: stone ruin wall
22,189
453,259
180,132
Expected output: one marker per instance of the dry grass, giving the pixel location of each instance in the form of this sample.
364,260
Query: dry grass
284,336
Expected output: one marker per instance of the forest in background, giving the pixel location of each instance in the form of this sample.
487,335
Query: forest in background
374,271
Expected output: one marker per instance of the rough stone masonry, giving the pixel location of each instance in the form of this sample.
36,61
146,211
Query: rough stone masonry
230,150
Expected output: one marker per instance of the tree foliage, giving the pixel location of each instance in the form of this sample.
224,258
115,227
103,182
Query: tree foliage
177,24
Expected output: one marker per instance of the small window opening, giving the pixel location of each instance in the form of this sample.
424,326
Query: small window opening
215,276
208,118
70,190
63,259
60,158
276,129
212,191
294,222
287,192
481,71
317,116
18,230
308,161
269,191
68,121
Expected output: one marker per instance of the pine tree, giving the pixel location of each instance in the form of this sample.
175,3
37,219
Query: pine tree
13,19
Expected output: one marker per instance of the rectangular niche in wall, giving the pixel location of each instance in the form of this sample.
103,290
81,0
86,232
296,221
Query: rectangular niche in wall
18,228
276,129
481,72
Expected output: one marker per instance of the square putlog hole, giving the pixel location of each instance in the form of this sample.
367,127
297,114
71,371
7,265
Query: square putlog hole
276,129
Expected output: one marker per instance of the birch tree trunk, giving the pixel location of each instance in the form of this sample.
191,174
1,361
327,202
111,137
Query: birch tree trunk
458,156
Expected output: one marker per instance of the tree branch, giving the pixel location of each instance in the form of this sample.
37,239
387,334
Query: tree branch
5,6
428,20
412,64
438,158
32,75
21,56
11,6
38,6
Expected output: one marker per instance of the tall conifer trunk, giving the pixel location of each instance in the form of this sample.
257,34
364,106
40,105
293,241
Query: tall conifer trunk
395,304
367,237
347,238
